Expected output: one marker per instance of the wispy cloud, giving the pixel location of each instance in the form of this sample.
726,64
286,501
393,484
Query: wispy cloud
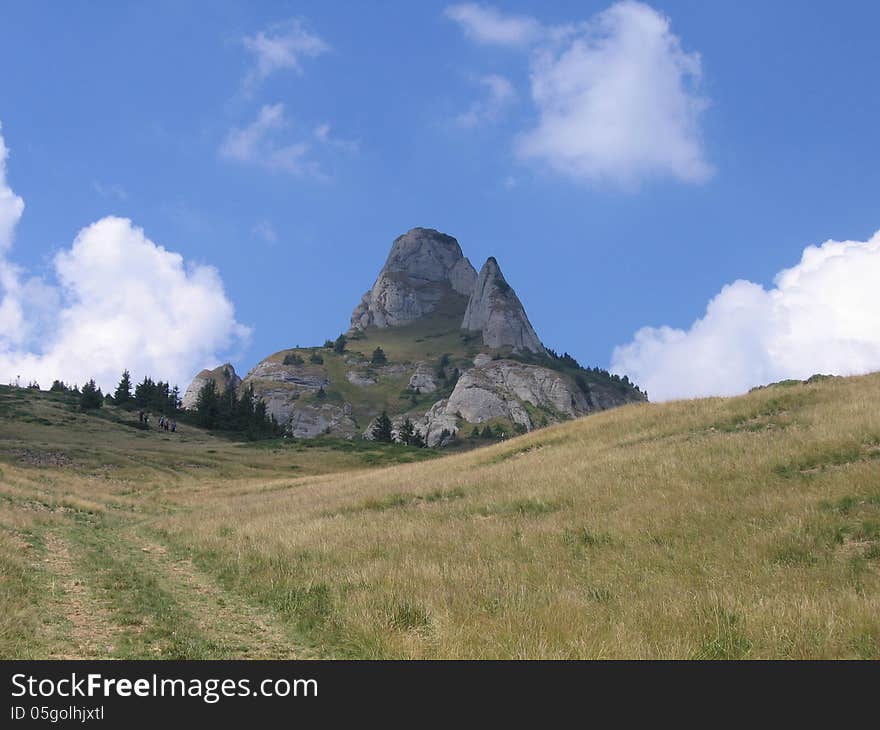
485,24
112,190
499,93
282,46
257,144
265,231
323,134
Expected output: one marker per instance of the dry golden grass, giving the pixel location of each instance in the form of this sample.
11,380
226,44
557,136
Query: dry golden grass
745,527
719,528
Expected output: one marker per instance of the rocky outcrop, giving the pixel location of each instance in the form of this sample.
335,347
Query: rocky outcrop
425,269
424,380
439,424
223,376
501,388
300,377
311,419
291,393
361,380
495,310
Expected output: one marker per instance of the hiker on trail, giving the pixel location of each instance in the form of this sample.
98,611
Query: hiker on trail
174,427
161,421
141,416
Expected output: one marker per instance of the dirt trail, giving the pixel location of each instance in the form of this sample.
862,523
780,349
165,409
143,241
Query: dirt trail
248,631
83,628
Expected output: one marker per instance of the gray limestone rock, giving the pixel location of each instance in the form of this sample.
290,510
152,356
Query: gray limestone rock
495,310
224,376
500,388
424,379
424,269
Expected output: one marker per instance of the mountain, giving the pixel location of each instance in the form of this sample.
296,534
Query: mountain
434,343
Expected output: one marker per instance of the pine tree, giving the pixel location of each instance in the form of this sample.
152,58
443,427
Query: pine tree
382,430
207,405
406,433
378,357
91,397
122,396
339,345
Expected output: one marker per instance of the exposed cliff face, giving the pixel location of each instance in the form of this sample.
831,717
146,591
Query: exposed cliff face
292,393
224,376
495,310
424,269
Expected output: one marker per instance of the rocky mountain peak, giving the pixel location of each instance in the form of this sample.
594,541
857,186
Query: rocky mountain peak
495,310
424,269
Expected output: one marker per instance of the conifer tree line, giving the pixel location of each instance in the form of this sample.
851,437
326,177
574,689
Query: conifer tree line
215,410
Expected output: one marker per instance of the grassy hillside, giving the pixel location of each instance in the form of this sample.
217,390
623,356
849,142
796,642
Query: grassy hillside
719,528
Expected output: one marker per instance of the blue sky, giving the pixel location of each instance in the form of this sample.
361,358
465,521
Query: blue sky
384,116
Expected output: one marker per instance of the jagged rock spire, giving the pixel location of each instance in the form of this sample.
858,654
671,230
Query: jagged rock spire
495,310
424,268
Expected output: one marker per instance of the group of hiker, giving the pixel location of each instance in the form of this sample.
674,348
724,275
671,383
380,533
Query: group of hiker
165,424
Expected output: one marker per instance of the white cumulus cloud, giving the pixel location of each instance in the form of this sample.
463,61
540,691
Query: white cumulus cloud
617,98
118,301
11,209
819,317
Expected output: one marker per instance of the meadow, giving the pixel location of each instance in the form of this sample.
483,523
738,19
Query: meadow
743,527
